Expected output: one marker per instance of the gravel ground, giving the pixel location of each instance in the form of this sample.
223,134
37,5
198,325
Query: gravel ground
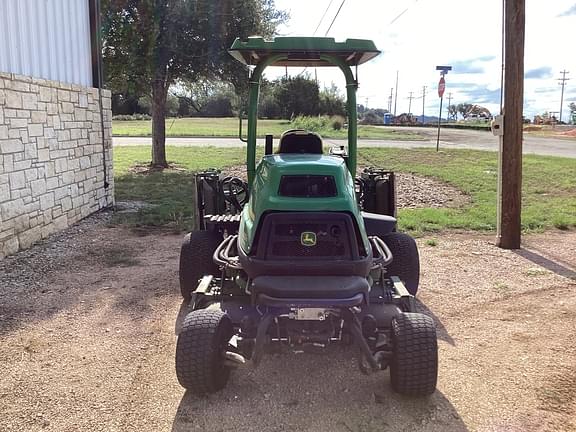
87,341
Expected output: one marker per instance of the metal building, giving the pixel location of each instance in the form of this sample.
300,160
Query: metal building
48,39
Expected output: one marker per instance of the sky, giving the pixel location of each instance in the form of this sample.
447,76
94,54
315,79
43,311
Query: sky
417,35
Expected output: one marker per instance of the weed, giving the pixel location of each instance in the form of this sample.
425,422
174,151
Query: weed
431,242
536,271
501,286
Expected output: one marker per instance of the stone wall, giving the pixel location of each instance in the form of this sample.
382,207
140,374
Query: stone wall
51,158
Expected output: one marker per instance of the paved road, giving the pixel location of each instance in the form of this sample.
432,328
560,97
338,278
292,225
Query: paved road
449,138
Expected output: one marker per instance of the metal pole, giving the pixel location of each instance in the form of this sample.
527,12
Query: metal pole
439,119
396,94
562,83
423,101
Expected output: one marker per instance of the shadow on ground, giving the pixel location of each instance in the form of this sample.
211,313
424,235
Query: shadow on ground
441,331
80,267
548,264
321,391
313,392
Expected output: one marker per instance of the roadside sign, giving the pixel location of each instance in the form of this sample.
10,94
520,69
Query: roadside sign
441,87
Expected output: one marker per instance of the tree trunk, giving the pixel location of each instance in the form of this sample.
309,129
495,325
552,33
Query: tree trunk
159,94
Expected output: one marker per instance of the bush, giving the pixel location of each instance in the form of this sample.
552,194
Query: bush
129,117
371,118
269,108
219,105
337,122
310,123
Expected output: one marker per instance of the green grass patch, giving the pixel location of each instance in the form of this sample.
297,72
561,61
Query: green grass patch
171,192
228,127
549,186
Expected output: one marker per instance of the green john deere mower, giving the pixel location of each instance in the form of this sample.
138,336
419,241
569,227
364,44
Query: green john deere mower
304,252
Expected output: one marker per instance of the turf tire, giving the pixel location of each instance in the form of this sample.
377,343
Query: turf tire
405,260
414,365
201,344
196,259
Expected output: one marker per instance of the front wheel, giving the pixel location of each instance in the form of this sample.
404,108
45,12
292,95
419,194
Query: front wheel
414,366
196,259
405,260
200,350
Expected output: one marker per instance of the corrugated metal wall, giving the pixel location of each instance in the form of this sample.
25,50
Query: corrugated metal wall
46,39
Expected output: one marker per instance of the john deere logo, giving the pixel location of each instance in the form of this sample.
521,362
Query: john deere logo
308,238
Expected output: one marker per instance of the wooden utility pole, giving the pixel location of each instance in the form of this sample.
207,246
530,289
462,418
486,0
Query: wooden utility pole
423,102
410,102
562,83
510,178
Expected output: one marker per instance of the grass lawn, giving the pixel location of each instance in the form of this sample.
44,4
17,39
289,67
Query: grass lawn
228,127
549,186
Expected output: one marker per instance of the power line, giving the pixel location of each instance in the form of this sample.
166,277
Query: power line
402,13
318,26
322,19
562,83
335,16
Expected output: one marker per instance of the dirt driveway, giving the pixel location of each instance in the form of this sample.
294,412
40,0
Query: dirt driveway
87,340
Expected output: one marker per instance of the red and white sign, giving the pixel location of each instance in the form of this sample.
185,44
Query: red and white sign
441,87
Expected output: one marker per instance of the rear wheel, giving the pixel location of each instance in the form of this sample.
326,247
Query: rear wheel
200,350
414,366
196,259
405,260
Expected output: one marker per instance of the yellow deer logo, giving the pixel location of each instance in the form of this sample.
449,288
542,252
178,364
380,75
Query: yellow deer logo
308,238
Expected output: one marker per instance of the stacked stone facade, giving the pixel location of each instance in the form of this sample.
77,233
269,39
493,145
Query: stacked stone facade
51,158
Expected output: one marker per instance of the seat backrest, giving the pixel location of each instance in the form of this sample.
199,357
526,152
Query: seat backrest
300,141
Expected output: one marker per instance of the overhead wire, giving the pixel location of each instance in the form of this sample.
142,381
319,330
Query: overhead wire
323,16
335,16
402,13
320,23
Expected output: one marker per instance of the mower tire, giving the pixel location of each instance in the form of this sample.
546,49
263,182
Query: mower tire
196,259
405,260
200,349
414,365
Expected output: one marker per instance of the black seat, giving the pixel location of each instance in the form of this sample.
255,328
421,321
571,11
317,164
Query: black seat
300,141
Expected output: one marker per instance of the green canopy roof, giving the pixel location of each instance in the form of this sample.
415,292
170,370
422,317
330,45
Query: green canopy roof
303,51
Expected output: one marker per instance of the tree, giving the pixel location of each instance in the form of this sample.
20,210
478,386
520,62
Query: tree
297,96
463,109
332,102
452,112
149,45
371,116
572,107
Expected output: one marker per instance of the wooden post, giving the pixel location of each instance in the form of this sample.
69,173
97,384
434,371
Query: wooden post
510,187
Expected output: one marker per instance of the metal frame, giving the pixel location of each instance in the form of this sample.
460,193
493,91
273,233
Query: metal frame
254,91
